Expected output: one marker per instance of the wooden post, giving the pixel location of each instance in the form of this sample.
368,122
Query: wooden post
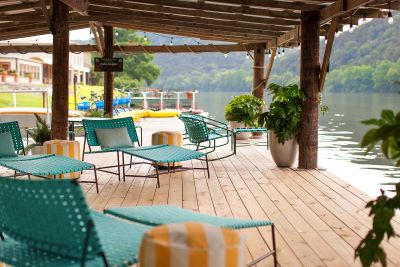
309,83
258,71
270,64
59,118
108,76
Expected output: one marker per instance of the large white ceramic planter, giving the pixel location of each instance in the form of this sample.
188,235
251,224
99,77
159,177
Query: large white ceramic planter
36,150
283,155
240,136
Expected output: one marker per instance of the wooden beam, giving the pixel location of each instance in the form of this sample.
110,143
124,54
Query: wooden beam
46,15
59,118
99,43
270,64
79,6
109,14
309,82
128,49
271,4
258,71
327,53
108,76
160,5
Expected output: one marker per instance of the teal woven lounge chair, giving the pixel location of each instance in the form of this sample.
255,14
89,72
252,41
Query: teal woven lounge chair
46,223
40,165
204,133
158,215
90,125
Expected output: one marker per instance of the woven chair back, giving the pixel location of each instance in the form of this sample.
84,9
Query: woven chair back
13,128
196,128
90,126
50,215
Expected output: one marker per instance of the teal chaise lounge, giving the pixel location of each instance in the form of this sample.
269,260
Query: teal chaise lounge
91,141
47,223
44,166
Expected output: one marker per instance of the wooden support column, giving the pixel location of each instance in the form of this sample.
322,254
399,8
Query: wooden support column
258,71
309,83
108,76
59,121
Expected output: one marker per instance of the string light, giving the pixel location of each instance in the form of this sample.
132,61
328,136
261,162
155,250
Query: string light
247,56
364,20
283,51
279,52
145,36
390,16
326,39
351,24
172,41
269,52
225,55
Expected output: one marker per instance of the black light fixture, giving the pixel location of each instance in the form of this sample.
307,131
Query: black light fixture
351,24
390,15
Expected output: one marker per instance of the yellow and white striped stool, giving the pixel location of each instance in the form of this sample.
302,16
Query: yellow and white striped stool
191,245
170,138
66,148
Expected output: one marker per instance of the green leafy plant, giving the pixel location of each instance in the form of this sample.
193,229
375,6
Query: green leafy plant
383,208
244,108
96,114
283,117
41,133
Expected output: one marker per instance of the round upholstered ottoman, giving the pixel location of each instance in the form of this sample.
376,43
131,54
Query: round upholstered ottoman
66,148
191,244
169,138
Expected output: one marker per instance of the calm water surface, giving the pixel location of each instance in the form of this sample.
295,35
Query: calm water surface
340,133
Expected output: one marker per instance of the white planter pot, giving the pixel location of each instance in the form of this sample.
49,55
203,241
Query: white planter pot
240,136
283,155
36,150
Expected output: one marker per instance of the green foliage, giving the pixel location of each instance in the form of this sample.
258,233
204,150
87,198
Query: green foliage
42,132
244,108
383,208
94,113
388,133
283,117
139,69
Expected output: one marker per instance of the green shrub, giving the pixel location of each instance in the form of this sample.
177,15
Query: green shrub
283,117
244,108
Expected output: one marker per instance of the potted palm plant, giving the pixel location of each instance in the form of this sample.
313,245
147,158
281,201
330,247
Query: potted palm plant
40,134
243,111
283,120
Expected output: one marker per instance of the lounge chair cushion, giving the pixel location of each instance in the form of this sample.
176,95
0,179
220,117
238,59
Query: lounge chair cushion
192,244
113,137
7,145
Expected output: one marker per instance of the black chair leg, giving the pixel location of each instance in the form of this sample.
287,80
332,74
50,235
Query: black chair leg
95,178
123,166
119,173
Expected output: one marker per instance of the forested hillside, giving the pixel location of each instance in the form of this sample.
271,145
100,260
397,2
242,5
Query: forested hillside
365,60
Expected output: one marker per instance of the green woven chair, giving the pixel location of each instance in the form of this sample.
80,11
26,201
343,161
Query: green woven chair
158,215
204,133
48,223
40,165
90,125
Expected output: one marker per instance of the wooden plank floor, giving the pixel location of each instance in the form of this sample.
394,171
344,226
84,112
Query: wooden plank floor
319,218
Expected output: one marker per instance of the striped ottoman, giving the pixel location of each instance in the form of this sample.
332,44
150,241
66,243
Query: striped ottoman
66,148
168,138
191,245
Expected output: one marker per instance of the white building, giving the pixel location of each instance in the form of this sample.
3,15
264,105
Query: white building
37,67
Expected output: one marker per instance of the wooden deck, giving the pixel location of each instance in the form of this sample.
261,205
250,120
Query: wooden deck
319,218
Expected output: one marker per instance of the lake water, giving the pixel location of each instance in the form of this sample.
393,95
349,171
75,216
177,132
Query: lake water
340,133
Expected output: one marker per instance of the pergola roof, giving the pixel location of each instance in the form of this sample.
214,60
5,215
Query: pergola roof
274,22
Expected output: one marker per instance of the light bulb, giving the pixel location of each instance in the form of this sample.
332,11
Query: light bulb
351,28
145,37
247,56
279,53
172,41
283,52
226,55
390,17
